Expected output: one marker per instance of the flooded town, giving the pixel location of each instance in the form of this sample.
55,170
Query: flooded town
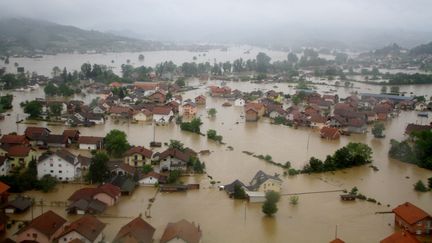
152,141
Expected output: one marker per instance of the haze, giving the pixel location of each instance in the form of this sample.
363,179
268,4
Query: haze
275,22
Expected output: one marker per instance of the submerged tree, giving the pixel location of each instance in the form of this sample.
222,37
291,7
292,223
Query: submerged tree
269,207
378,129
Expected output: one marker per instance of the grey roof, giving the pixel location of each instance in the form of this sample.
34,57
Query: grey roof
93,206
259,178
55,138
229,188
124,183
21,203
62,153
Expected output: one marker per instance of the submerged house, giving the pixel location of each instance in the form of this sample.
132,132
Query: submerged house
263,182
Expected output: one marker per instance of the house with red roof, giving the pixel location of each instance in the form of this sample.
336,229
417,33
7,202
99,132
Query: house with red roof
330,133
138,156
175,159
36,135
87,228
42,229
162,114
20,155
189,109
105,193
159,96
182,231
413,219
137,230
200,100
13,140
400,237
219,91
90,142
337,240
4,194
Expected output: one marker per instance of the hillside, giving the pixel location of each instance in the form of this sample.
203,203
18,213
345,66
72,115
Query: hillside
425,49
29,36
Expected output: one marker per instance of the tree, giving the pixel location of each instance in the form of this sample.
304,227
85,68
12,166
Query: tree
394,89
6,102
50,89
55,109
383,89
212,134
56,71
430,183
212,112
33,108
116,143
173,176
192,126
141,57
181,82
269,207
294,200
378,129
47,183
239,192
98,170
420,186
292,58
176,145
262,62
147,169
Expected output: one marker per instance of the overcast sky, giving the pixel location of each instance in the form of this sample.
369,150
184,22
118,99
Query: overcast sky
189,19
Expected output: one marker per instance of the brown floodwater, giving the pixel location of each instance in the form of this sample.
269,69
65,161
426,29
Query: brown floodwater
224,220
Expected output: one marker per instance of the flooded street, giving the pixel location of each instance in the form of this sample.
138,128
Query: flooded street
225,220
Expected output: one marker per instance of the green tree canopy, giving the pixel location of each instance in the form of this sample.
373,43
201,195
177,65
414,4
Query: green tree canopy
116,143
98,170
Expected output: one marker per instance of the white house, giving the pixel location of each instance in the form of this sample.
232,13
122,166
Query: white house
90,143
239,102
62,165
174,159
162,114
4,166
151,179
143,115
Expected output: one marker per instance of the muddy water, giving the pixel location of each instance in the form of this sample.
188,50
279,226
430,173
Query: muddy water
224,220
45,64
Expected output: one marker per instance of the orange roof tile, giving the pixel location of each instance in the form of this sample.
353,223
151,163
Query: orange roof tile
410,213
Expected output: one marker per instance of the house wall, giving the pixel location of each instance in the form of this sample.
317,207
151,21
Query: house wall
270,185
422,227
75,235
98,122
105,198
157,118
357,129
87,146
32,234
140,117
15,161
173,164
176,240
251,116
56,167
140,161
149,181
239,102
4,169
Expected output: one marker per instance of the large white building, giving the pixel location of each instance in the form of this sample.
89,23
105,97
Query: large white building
62,165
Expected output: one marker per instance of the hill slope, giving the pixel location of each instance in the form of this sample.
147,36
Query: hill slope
26,36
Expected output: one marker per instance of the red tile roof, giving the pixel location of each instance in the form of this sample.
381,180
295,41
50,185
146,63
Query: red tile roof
83,193
139,150
417,128
400,237
88,226
71,133
35,132
110,189
137,229
18,151
89,140
146,85
337,240
410,213
183,230
47,223
329,132
13,139
183,156
3,187
161,110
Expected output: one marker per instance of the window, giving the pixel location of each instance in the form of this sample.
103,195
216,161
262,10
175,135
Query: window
34,235
51,171
51,165
60,165
60,171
